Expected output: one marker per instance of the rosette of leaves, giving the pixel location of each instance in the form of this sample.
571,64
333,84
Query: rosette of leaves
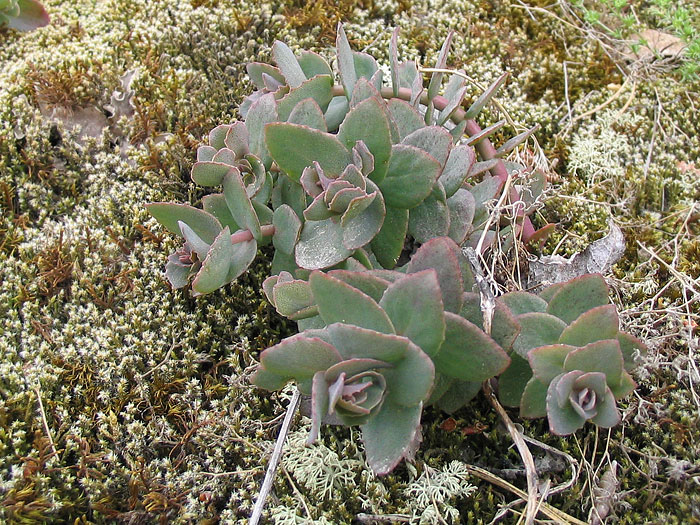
570,361
380,345
23,15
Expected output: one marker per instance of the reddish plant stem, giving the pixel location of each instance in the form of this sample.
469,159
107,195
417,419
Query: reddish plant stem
246,235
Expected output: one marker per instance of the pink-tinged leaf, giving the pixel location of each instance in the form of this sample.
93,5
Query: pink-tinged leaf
354,366
261,113
294,147
195,242
363,281
317,89
414,305
511,383
364,89
209,173
504,326
268,380
457,168
578,296
523,302
237,139
360,230
388,243
625,387
539,237
485,97
214,271
308,113
169,214
339,302
215,204
319,405
547,362
369,122
467,353
596,324
457,395
288,64
430,219
313,64
563,419
537,329
355,342
631,347
320,245
32,15
287,229
389,435
405,117
608,414
205,153
256,69
293,299
442,255
346,62
410,379
434,140
410,176
243,255
299,357
239,203
602,356
533,404
394,62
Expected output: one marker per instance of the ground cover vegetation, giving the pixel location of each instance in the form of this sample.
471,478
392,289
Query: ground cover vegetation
123,399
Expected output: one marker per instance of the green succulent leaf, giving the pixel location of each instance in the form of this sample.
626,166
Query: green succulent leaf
364,89
363,281
356,342
293,299
368,122
533,403
547,362
308,113
320,245
410,380
209,173
339,302
287,229
630,346
467,353
511,383
294,147
214,271
388,243
335,114
405,117
457,168
243,255
237,139
442,255
461,208
313,64
286,191
204,224
578,296
319,404
255,72
390,435
239,203
457,395
434,140
215,204
430,219
410,176
563,419
522,302
601,356
414,305
504,326
261,113
317,88
361,229
537,329
288,64
299,357
596,324
346,62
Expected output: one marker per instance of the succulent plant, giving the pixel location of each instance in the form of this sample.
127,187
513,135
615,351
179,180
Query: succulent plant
347,181
386,343
338,172
570,362
23,15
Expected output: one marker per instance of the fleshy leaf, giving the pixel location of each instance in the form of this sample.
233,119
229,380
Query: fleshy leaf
243,255
320,245
410,176
319,404
434,140
608,414
578,296
461,208
209,173
308,113
430,219
294,147
360,230
293,299
630,346
389,435
313,64
596,324
443,255
368,122
405,117
214,271
388,243
511,383
169,214
522,302
602,356
339,302
533,403
239,203
363,281
353,341
262,112
563,420
288,64
287,229
299,357
457,395
414,305
256,69
504,326
317,88
346,62
547,362
410,380
468,353
457,168
537,329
